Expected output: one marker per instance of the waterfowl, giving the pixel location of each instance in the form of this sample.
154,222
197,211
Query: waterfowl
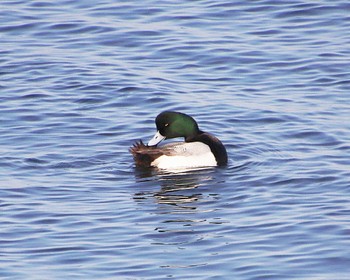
200,149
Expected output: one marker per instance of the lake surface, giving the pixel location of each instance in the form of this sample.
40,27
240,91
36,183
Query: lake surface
82,80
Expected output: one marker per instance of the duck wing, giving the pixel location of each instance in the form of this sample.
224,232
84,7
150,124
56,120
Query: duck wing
145,155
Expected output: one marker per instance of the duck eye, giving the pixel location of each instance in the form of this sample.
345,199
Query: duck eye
166,124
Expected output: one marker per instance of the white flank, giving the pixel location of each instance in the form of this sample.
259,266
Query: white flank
186,155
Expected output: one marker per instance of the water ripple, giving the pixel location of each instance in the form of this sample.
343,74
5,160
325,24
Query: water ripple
80,81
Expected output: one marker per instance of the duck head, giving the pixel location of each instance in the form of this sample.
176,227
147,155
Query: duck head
172,125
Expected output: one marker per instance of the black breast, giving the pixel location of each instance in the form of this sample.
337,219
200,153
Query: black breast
217,148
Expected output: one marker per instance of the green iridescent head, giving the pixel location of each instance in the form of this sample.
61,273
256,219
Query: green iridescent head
174,124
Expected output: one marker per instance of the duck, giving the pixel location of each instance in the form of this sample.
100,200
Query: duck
199,149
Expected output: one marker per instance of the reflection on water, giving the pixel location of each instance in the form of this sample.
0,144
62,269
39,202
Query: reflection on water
184,205
175,188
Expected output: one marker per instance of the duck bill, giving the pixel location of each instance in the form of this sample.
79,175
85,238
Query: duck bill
156,139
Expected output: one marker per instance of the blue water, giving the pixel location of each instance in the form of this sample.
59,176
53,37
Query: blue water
80,81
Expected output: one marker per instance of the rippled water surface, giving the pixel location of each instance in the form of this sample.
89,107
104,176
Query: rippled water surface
82,80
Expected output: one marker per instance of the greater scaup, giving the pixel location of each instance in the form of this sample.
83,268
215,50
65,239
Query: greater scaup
200,149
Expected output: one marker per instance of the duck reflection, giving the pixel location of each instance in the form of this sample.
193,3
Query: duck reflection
176,188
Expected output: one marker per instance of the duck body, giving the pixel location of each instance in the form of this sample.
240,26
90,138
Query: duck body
200,149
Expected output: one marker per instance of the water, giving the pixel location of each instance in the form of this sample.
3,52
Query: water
82,80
